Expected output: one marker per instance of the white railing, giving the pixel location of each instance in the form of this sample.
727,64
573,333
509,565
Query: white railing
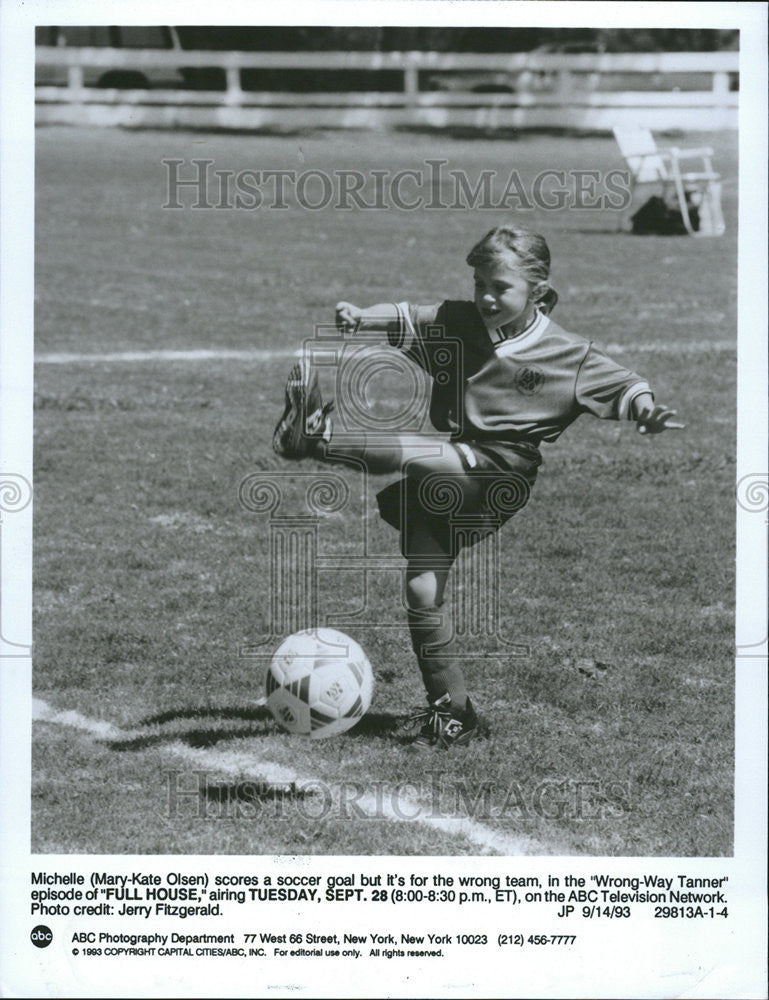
547,89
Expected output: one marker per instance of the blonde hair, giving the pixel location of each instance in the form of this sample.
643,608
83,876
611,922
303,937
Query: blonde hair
532,251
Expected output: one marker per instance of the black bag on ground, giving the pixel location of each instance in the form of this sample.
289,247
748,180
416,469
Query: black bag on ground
656,217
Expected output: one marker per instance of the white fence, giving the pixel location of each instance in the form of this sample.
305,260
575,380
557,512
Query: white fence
546,90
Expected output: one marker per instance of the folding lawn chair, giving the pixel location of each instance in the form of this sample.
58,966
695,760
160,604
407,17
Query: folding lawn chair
698,194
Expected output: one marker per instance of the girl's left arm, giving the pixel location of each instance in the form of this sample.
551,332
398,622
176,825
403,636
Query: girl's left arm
651,419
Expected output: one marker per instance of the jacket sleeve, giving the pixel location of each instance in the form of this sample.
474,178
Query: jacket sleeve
606,389
415,334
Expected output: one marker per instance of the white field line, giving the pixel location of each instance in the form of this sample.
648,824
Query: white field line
242,765
224,354
212,354
42,712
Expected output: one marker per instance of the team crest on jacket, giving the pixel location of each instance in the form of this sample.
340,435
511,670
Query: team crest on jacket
529,380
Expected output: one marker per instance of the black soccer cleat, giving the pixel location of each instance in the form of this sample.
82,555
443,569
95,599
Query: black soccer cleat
460,729
442,727
305,421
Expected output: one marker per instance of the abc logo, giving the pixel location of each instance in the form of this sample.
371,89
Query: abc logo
41,936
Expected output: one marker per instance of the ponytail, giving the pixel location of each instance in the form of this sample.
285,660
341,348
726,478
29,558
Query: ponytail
545,298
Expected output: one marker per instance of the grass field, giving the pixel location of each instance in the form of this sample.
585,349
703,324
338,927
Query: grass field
612,736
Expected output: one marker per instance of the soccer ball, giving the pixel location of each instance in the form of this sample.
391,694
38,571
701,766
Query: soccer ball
319,683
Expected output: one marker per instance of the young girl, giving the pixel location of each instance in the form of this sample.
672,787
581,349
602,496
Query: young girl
513,379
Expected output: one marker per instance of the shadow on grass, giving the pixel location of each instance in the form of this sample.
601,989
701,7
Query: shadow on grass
507,133
374,724
196,738
253,712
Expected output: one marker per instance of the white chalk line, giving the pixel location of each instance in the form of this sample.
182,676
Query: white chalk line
246,765
42,712
270,354
198,354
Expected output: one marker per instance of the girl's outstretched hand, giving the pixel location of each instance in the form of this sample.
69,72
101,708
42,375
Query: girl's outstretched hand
347,317
657,420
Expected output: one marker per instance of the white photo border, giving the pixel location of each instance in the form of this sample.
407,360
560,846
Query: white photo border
739,964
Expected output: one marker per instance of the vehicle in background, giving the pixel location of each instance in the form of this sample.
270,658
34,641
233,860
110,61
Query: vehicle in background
461,81
552,81
154,36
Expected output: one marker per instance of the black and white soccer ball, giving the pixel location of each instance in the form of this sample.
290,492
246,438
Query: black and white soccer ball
319,683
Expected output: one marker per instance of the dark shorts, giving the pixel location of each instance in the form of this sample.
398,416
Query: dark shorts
458,511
